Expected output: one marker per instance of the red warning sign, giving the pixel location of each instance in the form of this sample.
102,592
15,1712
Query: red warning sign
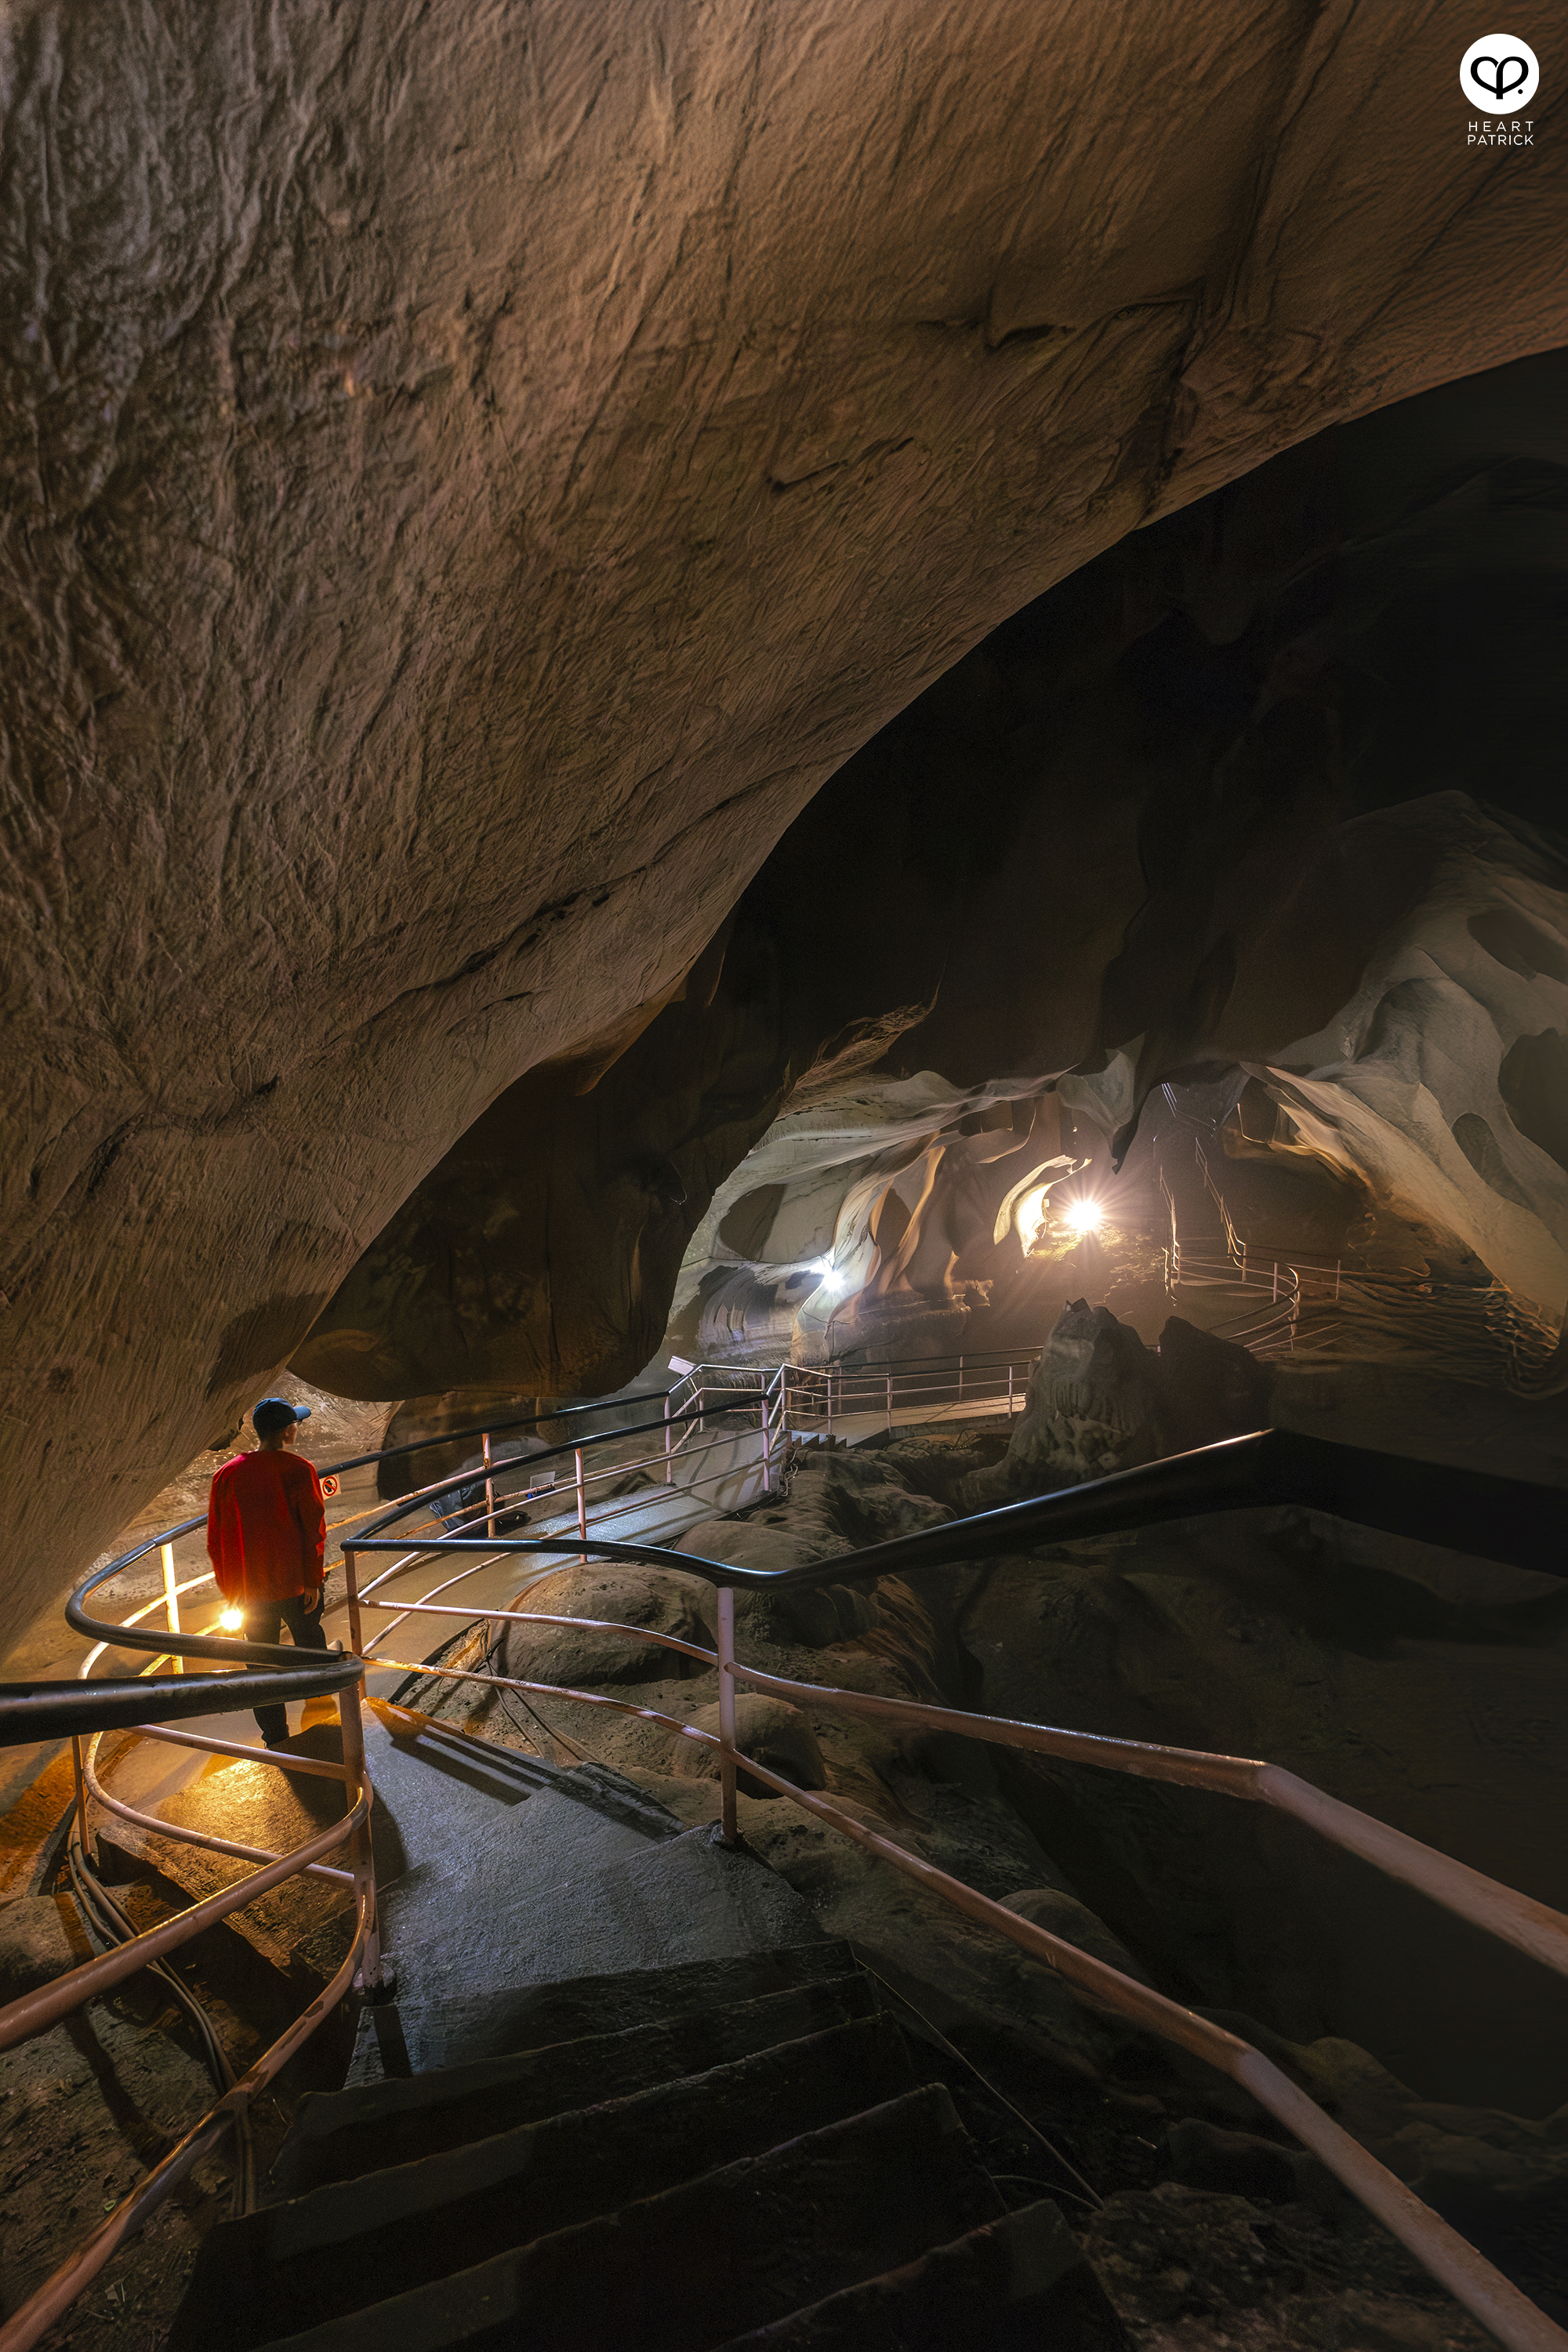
329,1484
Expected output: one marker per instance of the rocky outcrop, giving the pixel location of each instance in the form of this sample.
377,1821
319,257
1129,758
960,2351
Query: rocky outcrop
457,512
1441,1082
1099,1400
775,1733
541,1253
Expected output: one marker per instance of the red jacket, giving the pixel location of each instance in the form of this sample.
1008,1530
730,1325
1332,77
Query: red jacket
266,1527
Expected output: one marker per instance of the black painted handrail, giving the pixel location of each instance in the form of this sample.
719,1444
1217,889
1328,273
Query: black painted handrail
1509,1520
1505,1519
40,1711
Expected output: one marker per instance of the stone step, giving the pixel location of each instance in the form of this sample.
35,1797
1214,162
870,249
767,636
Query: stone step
678,2272
336,2135
360,2242
1021,2284
552,1908
417,2036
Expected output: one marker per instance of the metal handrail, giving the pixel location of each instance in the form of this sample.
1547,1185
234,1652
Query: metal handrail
1516,1919
1531,1927
148,1701
34,2012
1509,1520
40,1711
1471,1511
183,1836
1494,2300
37,1711
57,2294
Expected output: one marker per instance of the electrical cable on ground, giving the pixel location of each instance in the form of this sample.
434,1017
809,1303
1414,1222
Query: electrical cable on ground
102,1915
1094,2199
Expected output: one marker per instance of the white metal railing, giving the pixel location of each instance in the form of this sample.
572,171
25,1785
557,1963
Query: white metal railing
1267,1332
1501,1911
1406,1303
724,1427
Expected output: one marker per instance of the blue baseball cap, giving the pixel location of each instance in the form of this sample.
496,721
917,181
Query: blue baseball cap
274,1414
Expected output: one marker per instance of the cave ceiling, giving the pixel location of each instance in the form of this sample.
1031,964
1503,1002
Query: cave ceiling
1153,825
471,477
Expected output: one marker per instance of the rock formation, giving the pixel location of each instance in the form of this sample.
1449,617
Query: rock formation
470,477
1098,1400
1119,841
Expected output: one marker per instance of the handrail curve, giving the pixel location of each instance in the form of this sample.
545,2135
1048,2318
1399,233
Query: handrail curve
58,2291
207,1839
1477,1512
35,2012
1474,1512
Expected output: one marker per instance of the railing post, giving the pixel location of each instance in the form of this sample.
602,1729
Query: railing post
889,1400
350,1593
830,1400
961,1380
172,1600
368,1979
668,1445
1009,1388
767,1443
727,1824
581,1506
83,1833
489,1490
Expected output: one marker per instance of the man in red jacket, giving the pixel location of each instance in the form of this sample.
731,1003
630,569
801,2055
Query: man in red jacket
266,1539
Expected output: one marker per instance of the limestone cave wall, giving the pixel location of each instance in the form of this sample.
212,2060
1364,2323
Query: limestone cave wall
1150,828
469,478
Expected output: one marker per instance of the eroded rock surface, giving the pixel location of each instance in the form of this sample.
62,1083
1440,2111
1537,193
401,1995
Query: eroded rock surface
460,506
1098,1400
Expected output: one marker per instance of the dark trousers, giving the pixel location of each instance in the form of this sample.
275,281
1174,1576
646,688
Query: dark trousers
263,1620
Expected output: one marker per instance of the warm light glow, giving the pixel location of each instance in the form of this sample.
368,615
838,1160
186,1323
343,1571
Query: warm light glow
1083,1216
1030,1212
232,1621
831,1278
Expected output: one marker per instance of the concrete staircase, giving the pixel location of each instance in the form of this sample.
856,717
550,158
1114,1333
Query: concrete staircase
627,2093
714,2154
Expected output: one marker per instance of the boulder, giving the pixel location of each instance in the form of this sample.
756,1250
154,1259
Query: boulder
775,1733
656,1600
1092,1407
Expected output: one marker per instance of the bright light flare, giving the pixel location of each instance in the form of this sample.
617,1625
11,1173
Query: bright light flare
1030,1215
832,1280
233,1620
1083,1216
